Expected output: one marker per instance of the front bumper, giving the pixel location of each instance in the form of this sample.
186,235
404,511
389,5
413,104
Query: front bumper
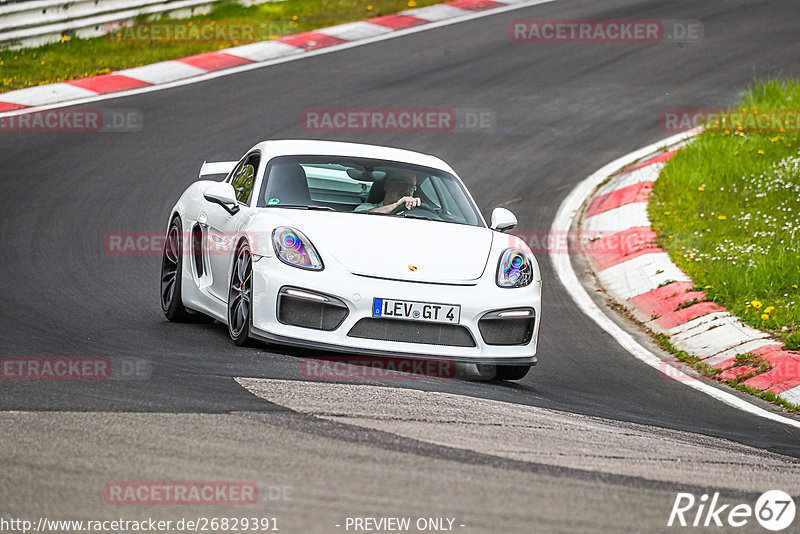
357,292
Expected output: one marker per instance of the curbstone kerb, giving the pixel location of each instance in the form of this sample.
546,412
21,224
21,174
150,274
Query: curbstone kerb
621,249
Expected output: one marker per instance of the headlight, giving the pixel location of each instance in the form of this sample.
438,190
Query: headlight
295,249
514,269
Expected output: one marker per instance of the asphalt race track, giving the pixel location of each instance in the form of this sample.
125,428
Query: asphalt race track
560,111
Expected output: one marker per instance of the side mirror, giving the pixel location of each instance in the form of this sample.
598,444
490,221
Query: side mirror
224,195
503,220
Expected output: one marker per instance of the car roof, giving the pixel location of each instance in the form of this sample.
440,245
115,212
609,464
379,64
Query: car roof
306,147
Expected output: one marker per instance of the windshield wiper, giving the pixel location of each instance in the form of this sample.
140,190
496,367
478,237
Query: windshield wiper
412,216
303,207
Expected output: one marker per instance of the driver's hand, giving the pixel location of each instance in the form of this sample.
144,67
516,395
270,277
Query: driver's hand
410,202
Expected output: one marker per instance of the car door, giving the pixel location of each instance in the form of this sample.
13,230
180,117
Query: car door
224,227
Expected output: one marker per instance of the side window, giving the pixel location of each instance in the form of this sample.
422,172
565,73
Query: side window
426,188
450,203
243,178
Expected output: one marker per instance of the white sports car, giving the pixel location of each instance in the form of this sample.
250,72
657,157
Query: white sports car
352,248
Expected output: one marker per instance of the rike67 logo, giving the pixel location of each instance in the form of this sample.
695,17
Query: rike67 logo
774,510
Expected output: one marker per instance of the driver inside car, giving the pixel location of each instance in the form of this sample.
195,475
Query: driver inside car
399,187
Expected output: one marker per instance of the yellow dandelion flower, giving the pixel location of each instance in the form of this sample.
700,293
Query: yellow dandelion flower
722,217
369,8
294,17
769,309
701,188
667,213
764,316
708,287
756,303
760,151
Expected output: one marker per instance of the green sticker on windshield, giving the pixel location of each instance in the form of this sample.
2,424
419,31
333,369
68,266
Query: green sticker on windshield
273,201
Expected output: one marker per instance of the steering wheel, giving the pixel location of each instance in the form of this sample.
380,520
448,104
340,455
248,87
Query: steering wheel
422,209
399,209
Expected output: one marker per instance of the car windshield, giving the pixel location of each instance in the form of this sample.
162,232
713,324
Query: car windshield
366,187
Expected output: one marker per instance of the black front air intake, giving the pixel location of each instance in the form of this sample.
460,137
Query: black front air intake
308,309
412,332
508,327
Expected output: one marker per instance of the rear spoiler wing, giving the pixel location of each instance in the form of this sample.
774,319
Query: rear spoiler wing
216,167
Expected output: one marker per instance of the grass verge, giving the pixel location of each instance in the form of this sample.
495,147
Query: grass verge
73,58
727,210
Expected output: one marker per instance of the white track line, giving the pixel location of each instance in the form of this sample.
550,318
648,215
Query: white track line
294,57
569,209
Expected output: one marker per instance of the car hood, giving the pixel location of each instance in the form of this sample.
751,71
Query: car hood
396,247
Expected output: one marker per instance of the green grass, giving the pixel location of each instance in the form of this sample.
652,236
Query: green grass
727,210
73,58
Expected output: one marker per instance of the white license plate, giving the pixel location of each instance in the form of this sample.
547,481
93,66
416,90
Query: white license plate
416,311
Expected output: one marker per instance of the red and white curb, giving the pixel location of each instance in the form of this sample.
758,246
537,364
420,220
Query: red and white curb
621,248
167,72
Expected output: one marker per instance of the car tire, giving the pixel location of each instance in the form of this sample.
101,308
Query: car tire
240,297
512,372
172,274
503,372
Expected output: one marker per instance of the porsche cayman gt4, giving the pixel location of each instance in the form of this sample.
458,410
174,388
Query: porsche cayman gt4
352,248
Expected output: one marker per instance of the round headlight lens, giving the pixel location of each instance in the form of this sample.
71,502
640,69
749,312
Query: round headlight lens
295,249
514,269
